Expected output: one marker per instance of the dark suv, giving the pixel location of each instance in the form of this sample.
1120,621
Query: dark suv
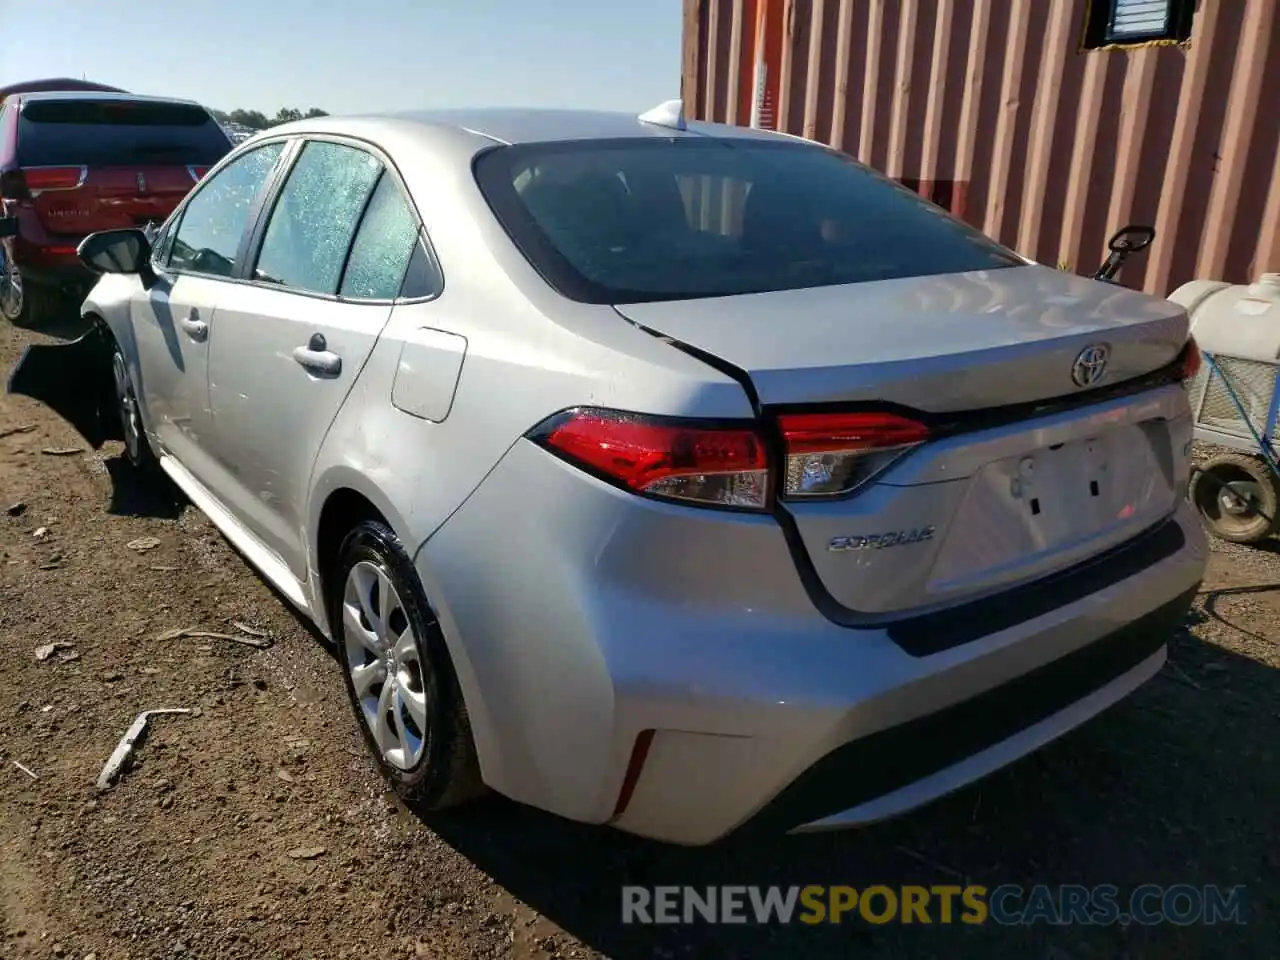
72,163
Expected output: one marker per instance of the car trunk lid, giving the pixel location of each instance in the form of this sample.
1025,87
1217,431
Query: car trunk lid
114,197
1019,479
939,343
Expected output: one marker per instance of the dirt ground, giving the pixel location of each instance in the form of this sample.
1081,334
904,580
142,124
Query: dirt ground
259,829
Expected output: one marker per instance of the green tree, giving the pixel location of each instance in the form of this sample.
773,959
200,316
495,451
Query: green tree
253,119
257,120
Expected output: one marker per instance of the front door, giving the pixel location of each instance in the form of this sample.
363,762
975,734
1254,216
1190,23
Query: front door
174,322
290,344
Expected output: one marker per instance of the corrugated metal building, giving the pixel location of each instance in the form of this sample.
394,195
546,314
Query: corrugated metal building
1046,123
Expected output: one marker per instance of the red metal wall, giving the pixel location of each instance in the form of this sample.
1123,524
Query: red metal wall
991,108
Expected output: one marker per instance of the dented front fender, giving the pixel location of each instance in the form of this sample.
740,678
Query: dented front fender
74,381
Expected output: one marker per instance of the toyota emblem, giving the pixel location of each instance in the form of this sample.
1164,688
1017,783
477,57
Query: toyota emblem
1091,365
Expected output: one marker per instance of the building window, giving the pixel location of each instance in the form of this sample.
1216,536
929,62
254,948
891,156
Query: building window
1123,23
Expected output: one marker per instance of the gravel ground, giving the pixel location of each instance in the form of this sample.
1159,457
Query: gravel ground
259,829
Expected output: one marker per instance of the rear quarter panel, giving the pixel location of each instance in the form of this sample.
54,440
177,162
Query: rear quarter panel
518,369
529,354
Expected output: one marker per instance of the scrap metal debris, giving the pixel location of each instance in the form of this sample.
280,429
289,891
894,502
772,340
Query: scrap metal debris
47,650
40,532
251,631
143,544
16,509
259,640
61,451
27,770
10,431
308,853
256,642
124,749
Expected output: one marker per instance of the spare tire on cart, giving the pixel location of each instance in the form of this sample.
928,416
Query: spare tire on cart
1236,494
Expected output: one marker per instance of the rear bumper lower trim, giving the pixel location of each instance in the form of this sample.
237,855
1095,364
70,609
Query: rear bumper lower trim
893,761
931,633
58,272
994,757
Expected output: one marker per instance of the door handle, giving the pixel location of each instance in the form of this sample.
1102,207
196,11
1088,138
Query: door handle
195,328
317,358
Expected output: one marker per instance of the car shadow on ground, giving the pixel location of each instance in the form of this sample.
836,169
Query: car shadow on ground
1176,785
68,326
142,495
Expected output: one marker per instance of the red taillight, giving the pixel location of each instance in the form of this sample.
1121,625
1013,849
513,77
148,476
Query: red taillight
825,454
197,173
39,179
835,453
1191,359
688,461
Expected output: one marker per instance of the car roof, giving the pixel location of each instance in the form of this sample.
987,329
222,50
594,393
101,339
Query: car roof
98,95
514,125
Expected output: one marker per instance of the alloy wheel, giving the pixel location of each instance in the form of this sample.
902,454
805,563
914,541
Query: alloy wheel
385,661
128,405
11,297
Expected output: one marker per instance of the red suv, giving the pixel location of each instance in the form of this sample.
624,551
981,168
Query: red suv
72,163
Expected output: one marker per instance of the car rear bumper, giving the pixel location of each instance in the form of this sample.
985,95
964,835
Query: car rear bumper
614,649
894,770
52,264
69,276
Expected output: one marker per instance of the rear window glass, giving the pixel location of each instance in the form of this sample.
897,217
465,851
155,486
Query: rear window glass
117,133
618,221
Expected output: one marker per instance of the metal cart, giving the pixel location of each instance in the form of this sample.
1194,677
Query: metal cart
1235,398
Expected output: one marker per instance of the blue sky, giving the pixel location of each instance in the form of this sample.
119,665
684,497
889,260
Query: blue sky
353,55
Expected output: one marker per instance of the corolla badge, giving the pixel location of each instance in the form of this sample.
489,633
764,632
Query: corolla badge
879,541
142,183
1090,365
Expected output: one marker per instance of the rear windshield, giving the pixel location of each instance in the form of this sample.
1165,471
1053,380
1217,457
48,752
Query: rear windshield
117,133
624,221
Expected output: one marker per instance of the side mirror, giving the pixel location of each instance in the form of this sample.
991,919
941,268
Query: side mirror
1128,239
118,251
1131,239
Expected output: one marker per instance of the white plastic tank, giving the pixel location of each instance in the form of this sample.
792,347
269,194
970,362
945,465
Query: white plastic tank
1239,324
1235,320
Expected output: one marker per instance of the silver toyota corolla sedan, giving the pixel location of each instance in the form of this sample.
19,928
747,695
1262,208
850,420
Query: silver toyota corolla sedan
668,475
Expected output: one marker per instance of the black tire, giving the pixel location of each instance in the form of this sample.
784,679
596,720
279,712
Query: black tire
1236,495
137,448
447,773
34,306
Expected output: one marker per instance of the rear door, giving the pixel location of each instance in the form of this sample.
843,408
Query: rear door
99,164
290,343
173,322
